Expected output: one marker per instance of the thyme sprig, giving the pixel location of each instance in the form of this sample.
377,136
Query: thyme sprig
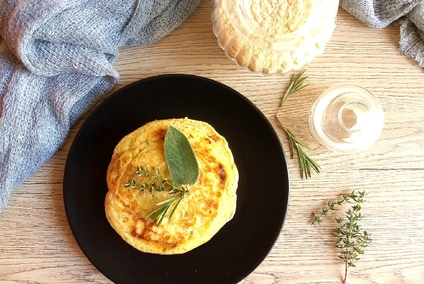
158,184
351,239
183,168
306,163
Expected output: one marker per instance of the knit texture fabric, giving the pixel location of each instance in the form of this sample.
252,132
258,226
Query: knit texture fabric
409,14
56,61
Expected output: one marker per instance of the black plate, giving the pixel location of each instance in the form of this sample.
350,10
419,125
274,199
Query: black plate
263,192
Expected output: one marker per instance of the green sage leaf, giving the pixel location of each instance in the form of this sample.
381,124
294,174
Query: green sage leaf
180,157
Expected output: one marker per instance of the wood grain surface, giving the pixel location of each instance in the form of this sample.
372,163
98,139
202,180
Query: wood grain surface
36,243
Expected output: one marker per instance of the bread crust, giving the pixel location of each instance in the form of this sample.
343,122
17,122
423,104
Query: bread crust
210,204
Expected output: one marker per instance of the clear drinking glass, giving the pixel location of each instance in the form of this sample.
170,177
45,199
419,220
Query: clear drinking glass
346,118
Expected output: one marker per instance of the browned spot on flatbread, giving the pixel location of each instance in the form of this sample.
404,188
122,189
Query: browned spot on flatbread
202,212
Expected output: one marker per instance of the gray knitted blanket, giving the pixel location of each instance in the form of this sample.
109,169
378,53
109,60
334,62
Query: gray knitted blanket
56,60
409,14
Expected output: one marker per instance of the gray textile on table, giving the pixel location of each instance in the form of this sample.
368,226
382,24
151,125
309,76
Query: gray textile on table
409,14
56,61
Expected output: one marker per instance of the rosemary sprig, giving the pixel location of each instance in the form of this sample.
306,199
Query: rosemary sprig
306,163
296,84
164,206
158,184
351,239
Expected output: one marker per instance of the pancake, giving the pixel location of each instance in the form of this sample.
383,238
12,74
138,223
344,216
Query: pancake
200,214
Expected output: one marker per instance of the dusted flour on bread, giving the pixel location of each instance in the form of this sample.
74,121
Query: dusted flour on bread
210,204
273,36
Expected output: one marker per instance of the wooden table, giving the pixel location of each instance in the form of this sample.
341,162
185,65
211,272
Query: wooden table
36,243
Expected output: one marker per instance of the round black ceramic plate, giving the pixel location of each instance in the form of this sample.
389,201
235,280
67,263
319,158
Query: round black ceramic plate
263,191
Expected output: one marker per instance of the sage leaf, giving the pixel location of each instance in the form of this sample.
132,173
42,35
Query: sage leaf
180,157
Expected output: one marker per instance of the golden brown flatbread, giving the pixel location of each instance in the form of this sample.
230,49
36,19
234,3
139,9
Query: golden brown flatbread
208,206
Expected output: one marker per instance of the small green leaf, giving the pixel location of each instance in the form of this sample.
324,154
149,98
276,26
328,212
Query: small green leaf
180,157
